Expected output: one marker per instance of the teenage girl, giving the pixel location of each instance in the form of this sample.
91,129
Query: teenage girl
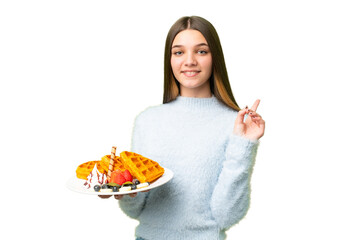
201,134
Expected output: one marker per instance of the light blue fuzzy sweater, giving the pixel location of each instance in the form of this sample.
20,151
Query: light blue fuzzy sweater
210,190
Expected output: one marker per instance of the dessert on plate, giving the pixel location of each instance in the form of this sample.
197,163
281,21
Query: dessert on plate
126,172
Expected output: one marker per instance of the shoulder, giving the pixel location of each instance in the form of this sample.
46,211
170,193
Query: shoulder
227,112
225,118
151,113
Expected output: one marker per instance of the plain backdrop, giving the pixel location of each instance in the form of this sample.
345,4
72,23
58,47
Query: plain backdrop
74,75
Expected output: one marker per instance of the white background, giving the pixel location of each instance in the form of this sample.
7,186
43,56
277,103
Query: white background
74,74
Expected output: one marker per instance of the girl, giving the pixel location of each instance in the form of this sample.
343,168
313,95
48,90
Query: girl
200,133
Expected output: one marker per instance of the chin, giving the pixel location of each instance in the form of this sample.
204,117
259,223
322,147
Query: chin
191,84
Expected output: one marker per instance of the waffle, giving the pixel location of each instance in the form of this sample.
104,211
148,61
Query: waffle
84,169
103,165
140,167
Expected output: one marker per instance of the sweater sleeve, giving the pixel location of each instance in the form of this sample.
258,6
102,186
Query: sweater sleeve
134,206
231,196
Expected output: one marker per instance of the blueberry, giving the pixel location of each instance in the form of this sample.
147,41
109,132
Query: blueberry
105,186
136,182
133,187
115,188
97,188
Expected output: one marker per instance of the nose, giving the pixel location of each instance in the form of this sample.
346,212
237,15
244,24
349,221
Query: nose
190,60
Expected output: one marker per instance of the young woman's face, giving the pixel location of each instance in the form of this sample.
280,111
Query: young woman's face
191,63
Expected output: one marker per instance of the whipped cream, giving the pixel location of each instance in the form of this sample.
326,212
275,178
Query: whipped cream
95,178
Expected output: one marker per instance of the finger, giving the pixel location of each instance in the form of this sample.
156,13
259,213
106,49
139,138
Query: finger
255,105
104,196
262,123
259,122
118,197
240,116
132,195
256,120
253,114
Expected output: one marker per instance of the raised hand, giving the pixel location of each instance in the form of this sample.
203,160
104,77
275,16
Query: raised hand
253,127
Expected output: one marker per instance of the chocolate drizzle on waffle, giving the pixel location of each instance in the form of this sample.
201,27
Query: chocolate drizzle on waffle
140,167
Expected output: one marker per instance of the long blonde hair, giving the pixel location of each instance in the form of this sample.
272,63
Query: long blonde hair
219,81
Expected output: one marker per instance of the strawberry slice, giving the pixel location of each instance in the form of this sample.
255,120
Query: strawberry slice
117,177
127,176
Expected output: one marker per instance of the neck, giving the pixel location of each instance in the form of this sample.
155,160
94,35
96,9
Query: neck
201,92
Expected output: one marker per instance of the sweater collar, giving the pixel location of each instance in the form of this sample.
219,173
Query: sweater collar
196,104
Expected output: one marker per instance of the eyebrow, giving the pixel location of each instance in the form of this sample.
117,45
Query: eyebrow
198,45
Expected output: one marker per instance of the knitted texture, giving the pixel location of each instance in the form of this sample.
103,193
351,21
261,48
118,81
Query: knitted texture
212,167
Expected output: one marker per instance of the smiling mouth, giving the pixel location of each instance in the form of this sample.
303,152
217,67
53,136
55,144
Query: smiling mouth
190,73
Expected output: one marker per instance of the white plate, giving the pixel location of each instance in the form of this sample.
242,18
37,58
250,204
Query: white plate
77,185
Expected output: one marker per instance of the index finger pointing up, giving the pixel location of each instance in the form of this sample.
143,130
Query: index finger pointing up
255,105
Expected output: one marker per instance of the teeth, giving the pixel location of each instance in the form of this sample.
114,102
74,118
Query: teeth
190,73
